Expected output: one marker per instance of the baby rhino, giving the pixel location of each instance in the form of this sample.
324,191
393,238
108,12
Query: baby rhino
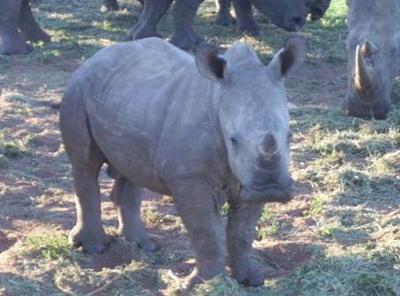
205,129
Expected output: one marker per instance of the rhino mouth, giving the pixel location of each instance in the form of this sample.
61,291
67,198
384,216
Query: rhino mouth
268,193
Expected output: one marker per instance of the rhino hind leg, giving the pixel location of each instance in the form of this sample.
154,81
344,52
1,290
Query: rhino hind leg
86,160
194,201
242,220
11,40
28,25
127,199
224,17
184,13
153,11
246,22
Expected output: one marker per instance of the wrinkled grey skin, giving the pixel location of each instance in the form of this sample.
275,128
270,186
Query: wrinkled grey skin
287,14
205,130
247,23
17,26
373,49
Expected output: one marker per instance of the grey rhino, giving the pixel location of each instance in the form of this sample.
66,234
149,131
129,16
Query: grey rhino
287,14
17,25
246,21
373,49
205,130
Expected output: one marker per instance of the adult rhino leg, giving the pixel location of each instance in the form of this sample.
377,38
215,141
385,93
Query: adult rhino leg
109,5
194,201
11,41
28,25
184,13
242,220
127,199
224,17
246,22
152,12
86,160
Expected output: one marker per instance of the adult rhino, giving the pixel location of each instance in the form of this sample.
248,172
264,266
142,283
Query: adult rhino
287,14
205,130
246,21
373,49
17,26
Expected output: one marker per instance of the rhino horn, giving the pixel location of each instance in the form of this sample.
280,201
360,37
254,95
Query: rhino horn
363,77
369,48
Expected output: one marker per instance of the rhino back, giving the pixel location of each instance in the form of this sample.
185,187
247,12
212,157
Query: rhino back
372,20
150,111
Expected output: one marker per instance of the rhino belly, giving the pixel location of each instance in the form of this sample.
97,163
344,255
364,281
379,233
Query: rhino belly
128,152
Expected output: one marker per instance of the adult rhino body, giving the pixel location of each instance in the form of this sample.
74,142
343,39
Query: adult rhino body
373,48
287,14
17,26
204,130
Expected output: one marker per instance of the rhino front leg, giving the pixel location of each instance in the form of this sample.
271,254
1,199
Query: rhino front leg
246,22
153,11
224,17
194,201
11,41
184,13
127,199
28,25
242,219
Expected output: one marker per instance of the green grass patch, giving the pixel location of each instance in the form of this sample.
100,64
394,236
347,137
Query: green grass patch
50,247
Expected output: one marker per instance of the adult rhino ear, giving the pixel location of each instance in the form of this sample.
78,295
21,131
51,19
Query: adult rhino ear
290,57
210,64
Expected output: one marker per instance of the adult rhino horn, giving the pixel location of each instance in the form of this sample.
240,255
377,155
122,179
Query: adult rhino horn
368,48
363,77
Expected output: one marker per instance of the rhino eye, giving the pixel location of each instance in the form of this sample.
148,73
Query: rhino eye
234,141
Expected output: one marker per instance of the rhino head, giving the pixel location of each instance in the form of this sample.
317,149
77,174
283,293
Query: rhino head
253,116
289,15
373,48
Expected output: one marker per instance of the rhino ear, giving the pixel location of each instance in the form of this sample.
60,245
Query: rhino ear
209,64
290,57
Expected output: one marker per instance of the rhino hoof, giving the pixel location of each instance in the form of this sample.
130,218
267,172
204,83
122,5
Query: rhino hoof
16,50
91,244
223,20
143,241
250,278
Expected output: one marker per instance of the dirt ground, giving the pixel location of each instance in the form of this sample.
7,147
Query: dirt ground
339,236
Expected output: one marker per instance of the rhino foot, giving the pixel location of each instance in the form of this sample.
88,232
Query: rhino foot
143,241
195,278
92,242
248,276
186,40
38,36
141,34
224,20
248,25
20,47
